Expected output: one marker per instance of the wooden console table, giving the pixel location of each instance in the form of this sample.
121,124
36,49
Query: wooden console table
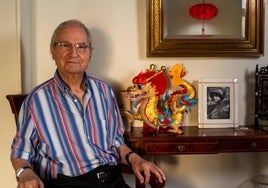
198,141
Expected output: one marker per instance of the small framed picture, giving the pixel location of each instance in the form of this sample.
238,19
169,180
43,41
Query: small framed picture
217,103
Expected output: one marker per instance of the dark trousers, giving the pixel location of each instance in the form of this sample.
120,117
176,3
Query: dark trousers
102,177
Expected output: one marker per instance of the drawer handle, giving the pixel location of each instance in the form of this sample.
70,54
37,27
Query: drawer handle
181,148
253,146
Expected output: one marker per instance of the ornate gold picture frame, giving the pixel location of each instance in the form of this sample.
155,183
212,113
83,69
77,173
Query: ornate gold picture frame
162,44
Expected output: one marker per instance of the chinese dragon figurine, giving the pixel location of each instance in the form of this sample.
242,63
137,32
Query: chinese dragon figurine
161,112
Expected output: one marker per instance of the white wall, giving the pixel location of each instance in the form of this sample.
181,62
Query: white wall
119,32
9,83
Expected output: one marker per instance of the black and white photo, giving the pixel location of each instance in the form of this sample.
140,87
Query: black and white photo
217,103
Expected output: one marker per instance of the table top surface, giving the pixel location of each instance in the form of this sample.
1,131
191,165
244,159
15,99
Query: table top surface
191,132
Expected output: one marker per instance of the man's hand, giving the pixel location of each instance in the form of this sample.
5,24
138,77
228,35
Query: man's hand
143,169
28,179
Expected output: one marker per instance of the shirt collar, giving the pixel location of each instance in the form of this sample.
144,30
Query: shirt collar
63,86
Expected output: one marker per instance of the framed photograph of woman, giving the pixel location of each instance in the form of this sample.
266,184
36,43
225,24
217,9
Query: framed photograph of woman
217,103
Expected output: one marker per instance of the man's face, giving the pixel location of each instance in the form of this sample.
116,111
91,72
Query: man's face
71,51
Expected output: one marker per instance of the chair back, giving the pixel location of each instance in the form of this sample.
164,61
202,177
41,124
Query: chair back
15,102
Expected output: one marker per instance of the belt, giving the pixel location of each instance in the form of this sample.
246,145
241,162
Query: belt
103,173
103,176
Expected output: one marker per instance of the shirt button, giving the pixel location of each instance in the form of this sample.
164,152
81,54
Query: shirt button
75,100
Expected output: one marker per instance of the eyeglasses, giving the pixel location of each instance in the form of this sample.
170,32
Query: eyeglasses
66,46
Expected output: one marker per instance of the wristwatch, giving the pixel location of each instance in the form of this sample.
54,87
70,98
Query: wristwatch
127,157
20,170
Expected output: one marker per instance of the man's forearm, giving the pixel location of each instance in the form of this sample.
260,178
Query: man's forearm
18,163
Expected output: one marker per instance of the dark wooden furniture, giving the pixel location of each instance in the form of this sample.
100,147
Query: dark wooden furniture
261,95
15,102
199,141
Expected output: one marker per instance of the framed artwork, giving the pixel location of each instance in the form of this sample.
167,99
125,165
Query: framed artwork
237,29
217,103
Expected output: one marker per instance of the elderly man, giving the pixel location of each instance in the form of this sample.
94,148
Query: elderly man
70,132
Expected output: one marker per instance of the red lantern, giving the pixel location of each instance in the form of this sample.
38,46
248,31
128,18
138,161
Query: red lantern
203,11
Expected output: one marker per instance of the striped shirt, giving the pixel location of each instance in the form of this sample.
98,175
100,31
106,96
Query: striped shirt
58,134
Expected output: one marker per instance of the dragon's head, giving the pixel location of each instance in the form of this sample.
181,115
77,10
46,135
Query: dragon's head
149,83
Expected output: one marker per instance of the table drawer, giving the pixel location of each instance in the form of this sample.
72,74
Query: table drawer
243,146
181,148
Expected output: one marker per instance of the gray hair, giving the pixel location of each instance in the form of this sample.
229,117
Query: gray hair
66,24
